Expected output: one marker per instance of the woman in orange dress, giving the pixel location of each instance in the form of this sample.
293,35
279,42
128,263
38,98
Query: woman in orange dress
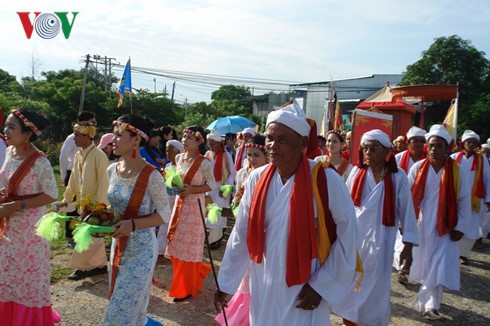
186,231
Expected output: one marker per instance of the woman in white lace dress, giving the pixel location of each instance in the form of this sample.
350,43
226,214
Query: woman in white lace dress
334,157
136,192
24,257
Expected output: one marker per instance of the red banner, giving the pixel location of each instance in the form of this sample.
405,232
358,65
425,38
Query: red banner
364,121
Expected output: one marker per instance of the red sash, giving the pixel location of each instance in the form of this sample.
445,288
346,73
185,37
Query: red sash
18,176
388,199
302,242
342,167
180,201
238,158
131,211
447,206
406,159
478,190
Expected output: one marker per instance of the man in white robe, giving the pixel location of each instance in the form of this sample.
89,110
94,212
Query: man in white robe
371,305
466,158
273,301
435,260
216,145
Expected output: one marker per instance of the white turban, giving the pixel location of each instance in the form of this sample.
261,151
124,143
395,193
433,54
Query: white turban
175,144
250,131
467,134
439,131
213,135
377,135
488,141
292,116
487,146
415,132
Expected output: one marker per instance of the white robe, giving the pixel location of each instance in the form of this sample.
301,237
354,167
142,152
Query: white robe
273,302
436,259
371,305
476,217
217,199
399,241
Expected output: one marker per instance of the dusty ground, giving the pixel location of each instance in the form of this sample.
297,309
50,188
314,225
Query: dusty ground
83,302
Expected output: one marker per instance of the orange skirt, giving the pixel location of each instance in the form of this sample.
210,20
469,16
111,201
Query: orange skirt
188,277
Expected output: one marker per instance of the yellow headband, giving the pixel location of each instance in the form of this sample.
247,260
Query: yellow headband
86,130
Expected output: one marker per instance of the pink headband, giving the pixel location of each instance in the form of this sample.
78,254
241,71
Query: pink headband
197,134
27,123
131,128
253,145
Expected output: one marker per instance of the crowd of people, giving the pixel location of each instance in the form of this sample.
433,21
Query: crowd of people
314,233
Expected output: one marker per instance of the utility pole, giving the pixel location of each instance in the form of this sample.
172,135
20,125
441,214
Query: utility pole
173,91
165,91
105,73
84,84
154,85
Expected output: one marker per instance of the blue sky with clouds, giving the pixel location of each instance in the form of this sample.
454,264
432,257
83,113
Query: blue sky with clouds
302,41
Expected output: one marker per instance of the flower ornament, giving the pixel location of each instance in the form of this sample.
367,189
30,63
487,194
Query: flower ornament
27,123
121,126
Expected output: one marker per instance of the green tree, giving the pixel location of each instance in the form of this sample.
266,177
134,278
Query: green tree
452,60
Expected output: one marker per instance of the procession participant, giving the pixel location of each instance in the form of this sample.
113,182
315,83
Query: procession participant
400,144
322,144
312,150
346,147
67,156
239,306
405,160
30,185
224,174
334,157
105,145
383,201
135,193
296,272
241,151
415,151
442,206
151,153
186,232
477,170
174,147
88,182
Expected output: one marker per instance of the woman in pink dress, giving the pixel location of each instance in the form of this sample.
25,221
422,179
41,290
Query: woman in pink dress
24,258
186,232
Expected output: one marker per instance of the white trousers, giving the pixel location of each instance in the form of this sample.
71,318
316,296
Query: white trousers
428,298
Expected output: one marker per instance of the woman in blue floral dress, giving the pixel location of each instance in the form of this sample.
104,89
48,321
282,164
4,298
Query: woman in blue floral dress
135,193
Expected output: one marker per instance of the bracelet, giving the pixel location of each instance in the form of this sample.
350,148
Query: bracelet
134,225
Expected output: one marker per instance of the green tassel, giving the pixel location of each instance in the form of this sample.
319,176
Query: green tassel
172,178
213,211
48,227
227,190
81,236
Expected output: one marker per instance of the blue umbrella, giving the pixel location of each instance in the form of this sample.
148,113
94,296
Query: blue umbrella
231,124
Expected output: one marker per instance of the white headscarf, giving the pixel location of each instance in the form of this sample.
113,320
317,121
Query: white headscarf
175,144
250,131
439,131
213,135
415,132
378,135
467,134
487,146
292,116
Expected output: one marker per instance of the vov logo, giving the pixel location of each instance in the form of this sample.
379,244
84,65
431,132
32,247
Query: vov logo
47,25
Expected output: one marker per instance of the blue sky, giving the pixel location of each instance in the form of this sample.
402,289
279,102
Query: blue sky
297,41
